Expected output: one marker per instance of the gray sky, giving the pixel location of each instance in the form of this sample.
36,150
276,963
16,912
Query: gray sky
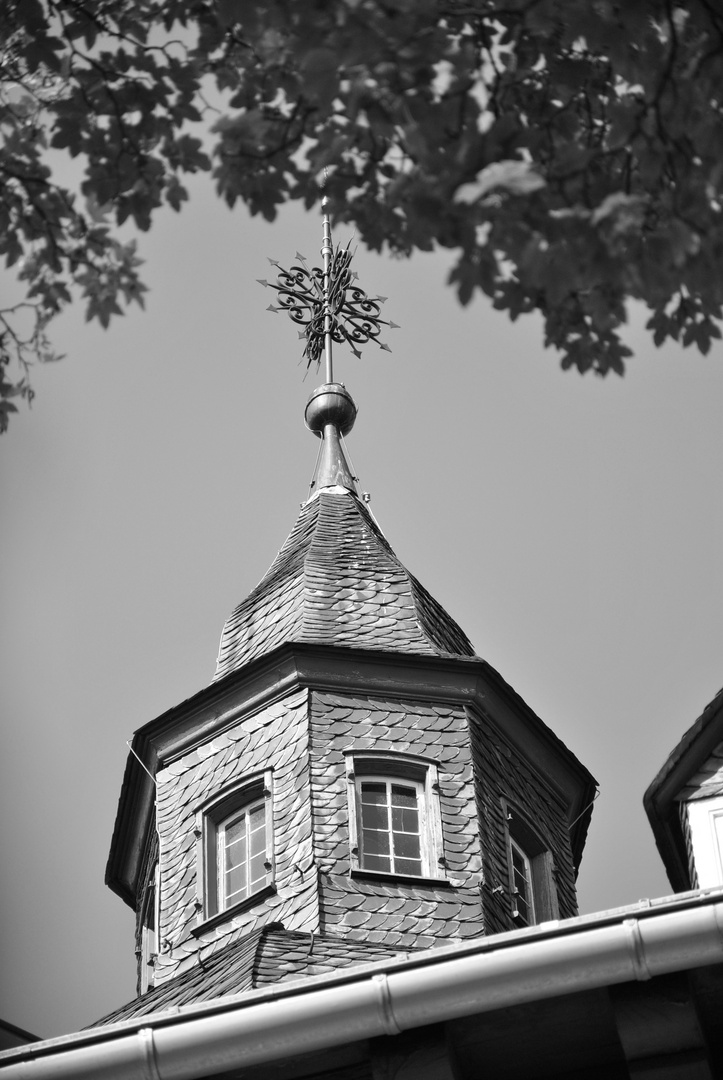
572,526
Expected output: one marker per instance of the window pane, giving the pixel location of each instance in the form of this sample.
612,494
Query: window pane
408,866
235,852
377,862
236,882
373,792
405,820
403,796
257,871
257,826
406,846
375,843
521,883
375,817
235,830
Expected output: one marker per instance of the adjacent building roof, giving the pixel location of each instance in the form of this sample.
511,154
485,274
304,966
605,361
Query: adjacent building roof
699,749
336,581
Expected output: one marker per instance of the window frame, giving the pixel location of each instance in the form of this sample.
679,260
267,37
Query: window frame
542,901
705,822
407,770
212,819
150,915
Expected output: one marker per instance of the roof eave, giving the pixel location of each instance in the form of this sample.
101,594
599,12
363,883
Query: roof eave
552,960
661,797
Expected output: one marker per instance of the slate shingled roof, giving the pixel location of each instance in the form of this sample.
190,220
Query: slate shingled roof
263,957
336,581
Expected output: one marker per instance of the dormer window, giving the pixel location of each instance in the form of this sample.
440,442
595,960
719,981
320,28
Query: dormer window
394,818
532,890
235,831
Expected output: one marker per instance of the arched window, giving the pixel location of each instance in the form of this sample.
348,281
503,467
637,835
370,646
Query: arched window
235,831
391,825
394,818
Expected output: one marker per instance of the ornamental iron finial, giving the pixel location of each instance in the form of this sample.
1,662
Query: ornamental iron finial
327,303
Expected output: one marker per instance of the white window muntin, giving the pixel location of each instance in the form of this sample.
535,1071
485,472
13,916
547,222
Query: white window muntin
392,825
532,885
241,854
405,770
522,884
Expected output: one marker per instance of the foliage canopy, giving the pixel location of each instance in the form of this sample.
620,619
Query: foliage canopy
570,154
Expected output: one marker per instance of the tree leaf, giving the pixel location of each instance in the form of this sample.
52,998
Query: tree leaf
515,177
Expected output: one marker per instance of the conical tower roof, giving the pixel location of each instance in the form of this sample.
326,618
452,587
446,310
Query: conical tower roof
336,581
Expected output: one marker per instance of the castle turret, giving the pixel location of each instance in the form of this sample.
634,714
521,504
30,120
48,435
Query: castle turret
355,782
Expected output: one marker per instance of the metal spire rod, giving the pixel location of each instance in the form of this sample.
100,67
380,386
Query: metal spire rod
327,252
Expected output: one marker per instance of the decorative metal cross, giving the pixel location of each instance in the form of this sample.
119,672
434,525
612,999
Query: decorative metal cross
327,303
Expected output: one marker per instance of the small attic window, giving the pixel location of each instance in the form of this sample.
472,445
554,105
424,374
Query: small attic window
532,890
236,850
394,818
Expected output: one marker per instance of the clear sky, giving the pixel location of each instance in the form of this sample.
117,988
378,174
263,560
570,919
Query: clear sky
572,526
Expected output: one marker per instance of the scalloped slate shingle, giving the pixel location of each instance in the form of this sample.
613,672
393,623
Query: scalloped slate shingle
336,581
401,914
265,956
274,738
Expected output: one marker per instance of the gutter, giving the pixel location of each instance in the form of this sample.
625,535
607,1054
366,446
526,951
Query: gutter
241,1032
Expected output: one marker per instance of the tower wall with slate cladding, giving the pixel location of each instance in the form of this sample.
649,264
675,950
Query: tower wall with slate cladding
274,738
501,772
404,915
303,740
